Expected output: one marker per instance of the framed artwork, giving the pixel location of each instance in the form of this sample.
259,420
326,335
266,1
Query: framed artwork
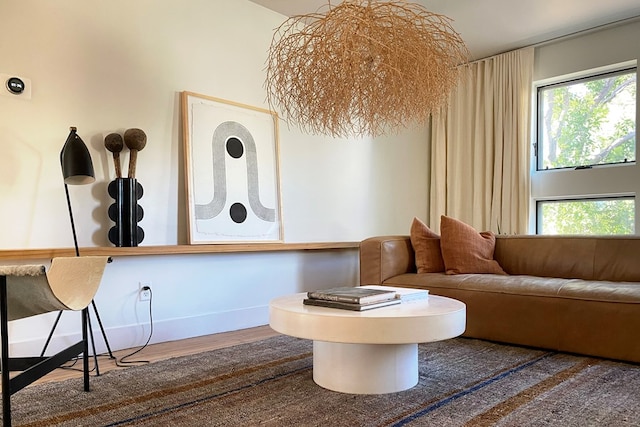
232,171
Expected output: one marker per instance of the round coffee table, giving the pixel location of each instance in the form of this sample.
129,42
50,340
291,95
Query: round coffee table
368,352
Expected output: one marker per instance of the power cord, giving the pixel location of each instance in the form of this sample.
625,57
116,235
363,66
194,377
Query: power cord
123,362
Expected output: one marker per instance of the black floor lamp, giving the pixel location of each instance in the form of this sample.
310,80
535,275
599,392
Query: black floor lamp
77,169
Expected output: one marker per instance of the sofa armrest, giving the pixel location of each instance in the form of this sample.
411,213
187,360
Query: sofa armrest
383,257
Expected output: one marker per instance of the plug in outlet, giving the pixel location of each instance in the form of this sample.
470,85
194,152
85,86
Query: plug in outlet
144,292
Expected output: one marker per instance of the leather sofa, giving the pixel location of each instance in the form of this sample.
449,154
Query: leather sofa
564,293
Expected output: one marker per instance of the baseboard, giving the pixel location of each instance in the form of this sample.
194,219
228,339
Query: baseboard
133,336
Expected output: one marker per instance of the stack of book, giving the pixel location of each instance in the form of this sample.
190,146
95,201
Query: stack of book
352,298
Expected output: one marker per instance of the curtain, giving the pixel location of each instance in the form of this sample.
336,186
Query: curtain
480,147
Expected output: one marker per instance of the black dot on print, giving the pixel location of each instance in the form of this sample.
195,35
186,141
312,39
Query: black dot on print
235,147
238,213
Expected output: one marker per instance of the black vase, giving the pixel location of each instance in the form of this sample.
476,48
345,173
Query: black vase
125,212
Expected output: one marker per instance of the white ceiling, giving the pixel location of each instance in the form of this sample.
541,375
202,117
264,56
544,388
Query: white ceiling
489,27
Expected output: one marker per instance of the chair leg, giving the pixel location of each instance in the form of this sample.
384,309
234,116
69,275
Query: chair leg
85,346
4,326
93,343
43,367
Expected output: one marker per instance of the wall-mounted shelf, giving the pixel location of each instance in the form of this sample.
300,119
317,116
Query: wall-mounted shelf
27,254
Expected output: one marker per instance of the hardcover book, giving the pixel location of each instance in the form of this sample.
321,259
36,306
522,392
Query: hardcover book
348,305
404,294
354,295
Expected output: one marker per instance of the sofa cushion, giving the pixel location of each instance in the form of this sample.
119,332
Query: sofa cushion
426,245
602,291
464,250
551,287
493,283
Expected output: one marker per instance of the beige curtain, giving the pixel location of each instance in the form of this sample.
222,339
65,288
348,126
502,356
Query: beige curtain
481,147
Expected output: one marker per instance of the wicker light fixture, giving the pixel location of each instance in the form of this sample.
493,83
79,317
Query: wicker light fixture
363,67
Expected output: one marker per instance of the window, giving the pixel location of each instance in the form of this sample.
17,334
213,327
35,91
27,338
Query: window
587,122
587,216
584,172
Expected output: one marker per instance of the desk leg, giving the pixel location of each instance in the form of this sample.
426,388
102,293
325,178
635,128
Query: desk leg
365,368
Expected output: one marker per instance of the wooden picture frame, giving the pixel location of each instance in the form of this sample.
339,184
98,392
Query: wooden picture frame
231,154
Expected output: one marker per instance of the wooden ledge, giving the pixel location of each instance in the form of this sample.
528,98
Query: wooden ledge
24,254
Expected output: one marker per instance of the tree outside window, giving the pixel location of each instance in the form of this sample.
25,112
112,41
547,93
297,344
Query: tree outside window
588,122
587,216
583,124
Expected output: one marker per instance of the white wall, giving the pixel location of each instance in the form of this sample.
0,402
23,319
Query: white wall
108,66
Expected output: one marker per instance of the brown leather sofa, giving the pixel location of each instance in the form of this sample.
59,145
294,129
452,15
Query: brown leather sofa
565,293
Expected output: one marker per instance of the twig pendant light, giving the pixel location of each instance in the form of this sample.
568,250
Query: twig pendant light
363,67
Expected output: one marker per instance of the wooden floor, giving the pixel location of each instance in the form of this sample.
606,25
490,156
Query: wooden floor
162,351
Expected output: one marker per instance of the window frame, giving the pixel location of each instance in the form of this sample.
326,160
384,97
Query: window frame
585,78
601,181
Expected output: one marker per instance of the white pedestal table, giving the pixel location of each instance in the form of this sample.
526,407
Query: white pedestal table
368,352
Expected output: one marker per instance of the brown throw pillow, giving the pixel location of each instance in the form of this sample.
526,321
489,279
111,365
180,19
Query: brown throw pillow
426,245
464,250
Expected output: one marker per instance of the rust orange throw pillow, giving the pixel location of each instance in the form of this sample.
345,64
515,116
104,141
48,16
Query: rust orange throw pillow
464,250
426,245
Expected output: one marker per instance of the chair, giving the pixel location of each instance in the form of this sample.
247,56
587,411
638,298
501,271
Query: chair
28,290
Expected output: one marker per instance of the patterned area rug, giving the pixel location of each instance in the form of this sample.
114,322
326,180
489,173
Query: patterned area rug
463,382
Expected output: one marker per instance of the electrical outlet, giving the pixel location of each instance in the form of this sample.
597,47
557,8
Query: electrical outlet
144,291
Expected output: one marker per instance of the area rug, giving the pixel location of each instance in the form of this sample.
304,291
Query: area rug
463,382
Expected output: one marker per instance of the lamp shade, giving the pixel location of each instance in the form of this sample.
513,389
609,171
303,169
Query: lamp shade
77,167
